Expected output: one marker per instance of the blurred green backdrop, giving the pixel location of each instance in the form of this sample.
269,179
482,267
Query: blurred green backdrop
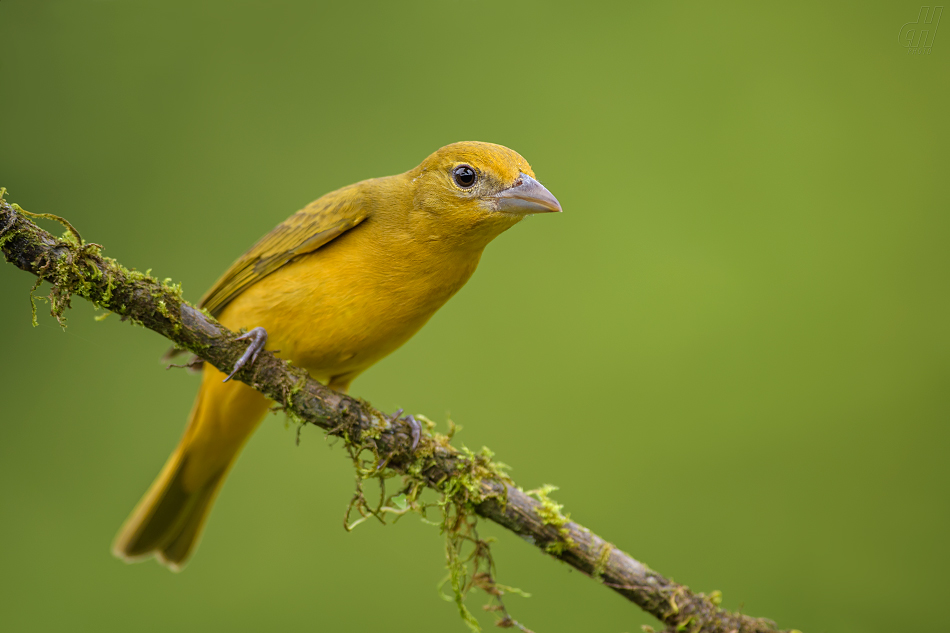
730,352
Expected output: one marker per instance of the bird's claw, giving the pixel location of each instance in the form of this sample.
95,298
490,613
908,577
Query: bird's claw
258,339
416,430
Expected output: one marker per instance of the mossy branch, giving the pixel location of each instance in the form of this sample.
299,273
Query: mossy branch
470,484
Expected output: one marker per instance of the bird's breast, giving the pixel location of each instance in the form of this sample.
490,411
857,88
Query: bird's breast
352,302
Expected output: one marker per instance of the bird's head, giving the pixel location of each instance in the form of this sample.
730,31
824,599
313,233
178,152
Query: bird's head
470,192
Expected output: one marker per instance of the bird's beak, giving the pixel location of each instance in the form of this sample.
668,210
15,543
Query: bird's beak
526,196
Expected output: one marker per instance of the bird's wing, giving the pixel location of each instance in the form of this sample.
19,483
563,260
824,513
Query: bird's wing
304,232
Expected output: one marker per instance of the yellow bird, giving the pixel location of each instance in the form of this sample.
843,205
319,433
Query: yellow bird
335,288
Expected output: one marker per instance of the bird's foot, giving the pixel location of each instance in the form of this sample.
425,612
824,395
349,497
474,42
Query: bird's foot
416,430
415,434
258,339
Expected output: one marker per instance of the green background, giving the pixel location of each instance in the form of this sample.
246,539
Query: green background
730,351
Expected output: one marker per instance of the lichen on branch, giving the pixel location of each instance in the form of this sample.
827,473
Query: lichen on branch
468,484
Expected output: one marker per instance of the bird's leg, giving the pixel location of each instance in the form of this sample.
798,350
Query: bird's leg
258,339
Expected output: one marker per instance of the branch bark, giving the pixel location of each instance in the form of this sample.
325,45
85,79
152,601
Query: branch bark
78,268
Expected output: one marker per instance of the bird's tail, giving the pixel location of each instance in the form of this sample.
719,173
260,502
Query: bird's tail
167,522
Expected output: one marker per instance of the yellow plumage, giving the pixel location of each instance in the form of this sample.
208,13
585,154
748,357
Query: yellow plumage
338,286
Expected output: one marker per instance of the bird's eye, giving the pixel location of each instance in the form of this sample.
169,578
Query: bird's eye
464,176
